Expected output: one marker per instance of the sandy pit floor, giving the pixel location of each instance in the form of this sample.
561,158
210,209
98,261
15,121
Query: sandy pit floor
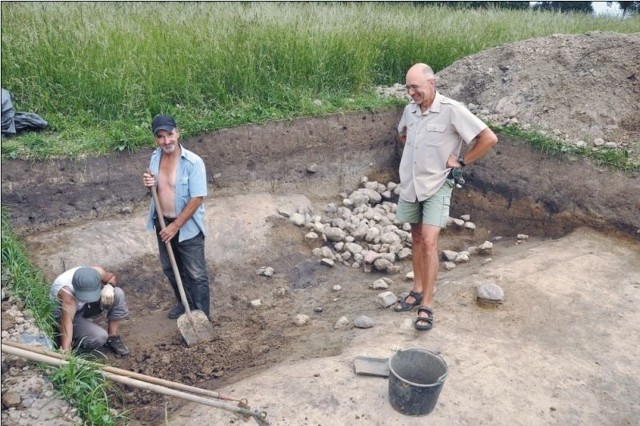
561,350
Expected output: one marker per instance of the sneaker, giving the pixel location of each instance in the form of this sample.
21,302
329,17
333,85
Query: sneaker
176,311
116,345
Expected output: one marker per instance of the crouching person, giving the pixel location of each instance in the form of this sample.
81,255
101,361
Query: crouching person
81,293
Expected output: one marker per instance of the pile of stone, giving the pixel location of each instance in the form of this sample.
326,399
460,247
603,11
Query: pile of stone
363,232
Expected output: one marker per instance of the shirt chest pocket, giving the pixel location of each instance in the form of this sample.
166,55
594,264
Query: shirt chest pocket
434,134
437,128
183,188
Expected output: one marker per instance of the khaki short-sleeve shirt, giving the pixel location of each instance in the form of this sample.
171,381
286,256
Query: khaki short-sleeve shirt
432,137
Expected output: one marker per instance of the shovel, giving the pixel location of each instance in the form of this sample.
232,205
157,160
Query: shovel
194,325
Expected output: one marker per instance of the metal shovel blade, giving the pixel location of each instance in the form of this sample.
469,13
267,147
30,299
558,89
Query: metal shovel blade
195,327
368,366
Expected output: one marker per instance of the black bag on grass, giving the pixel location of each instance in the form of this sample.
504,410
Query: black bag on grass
15,122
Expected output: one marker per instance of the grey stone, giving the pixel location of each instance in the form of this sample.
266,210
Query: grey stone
298,219
449,255
462,257
382,264
354,248
300,320
341,323
489,295
327,262
449,265
364,321
387,299
485,248
335,234
380,284
311,236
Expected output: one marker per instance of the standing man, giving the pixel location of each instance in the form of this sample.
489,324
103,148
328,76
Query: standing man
432,130
81,293
181,181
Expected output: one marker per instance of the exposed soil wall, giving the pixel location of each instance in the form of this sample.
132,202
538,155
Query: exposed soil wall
549,196
272,157
546,196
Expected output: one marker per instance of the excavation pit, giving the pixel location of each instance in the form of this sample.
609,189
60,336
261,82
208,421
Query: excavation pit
572,289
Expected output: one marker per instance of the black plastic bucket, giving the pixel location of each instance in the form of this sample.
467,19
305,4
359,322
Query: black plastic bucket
416,377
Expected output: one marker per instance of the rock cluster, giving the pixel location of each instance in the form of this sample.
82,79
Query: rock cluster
360,233
363,231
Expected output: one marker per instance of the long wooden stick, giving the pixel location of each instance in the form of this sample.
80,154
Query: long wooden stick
50,360
127,373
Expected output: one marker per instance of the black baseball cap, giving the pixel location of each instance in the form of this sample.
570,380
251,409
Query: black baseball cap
163,122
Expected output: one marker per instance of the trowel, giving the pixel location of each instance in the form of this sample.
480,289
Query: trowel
368,366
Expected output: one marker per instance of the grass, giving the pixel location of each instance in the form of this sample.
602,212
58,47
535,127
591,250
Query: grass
25,281
98,72
618,159
85,388
82,385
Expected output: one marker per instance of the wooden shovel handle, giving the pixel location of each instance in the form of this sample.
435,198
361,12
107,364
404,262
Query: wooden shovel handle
174,265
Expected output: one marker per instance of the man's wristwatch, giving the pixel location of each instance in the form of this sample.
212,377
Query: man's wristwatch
461,161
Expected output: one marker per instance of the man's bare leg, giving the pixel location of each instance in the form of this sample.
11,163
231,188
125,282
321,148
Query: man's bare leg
425,238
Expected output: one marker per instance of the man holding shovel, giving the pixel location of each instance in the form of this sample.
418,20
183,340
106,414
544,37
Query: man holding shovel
180,178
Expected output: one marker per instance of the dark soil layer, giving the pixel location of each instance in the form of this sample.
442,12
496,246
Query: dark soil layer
549,196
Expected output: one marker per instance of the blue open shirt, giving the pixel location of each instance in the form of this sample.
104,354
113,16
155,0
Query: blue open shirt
191,182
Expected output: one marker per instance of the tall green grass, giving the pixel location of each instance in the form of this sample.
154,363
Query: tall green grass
98,72
85,388
25,281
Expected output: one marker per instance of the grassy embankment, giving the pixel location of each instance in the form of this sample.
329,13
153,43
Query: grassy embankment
98,72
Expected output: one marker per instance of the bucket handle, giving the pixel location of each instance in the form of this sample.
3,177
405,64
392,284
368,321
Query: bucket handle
444,376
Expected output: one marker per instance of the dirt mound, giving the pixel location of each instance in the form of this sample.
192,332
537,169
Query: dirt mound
583,89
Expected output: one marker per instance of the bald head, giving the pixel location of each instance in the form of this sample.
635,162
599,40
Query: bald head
421,85
420,72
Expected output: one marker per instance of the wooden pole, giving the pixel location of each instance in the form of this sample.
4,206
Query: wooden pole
161,389
127,373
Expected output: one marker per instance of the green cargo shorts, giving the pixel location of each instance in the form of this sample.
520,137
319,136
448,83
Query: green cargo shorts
432,211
